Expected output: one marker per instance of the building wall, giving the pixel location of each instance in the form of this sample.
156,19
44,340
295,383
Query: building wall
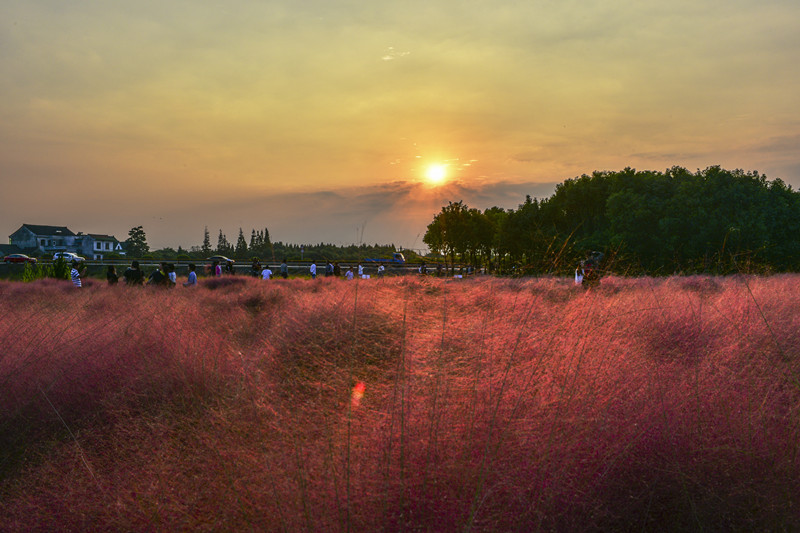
97,248
84,245
24,238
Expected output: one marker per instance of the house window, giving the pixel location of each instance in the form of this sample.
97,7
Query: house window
108,246
44,242
98,245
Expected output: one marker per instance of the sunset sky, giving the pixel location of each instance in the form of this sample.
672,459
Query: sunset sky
321,119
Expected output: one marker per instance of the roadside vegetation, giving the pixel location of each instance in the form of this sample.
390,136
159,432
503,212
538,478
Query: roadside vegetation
402,404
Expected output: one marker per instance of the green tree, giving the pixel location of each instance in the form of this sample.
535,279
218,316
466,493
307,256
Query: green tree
448,234
253,242
223,246
136,244
241,246
496,217
206,248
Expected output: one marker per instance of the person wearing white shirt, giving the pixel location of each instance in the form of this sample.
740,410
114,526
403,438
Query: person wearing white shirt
313,270
349,274
266,273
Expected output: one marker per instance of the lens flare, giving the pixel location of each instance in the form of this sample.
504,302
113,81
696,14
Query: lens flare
357,394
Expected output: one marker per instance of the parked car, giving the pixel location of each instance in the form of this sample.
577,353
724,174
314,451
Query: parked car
221,258
69,257
19,258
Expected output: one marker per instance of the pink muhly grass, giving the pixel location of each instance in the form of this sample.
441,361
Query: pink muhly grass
482,405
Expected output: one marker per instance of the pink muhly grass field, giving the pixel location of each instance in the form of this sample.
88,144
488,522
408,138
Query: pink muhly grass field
402,404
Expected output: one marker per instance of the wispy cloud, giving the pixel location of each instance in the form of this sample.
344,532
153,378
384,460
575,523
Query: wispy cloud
391,54
396,212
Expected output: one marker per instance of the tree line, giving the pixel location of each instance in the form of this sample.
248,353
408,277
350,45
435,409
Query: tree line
645,222
258,246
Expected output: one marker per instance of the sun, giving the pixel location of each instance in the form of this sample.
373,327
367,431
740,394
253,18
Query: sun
436,173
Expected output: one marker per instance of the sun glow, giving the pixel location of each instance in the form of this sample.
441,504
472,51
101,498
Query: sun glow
436,173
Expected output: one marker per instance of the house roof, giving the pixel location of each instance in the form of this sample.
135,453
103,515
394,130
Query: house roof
49,230
99,237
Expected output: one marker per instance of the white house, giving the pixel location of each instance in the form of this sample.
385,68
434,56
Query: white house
96,246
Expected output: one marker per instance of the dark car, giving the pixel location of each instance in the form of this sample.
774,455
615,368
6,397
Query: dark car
18,258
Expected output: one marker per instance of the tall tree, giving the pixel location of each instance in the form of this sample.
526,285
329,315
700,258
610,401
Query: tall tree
223,246
241,246
206,249
136,245
448,233
269,250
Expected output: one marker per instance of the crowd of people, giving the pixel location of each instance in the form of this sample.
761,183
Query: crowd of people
165,276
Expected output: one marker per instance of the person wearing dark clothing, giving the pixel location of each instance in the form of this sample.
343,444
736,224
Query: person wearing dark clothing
158,277
255,268
111,275
591,270
284,270
133,275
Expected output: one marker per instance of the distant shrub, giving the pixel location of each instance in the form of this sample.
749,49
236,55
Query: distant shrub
60,268
32,272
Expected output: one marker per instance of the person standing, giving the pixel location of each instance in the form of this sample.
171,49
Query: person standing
75,274
349,274
381,270
313,269
217,269
133,275
328,269
266,273
284,269
111,275
360,271
192,279
255,268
